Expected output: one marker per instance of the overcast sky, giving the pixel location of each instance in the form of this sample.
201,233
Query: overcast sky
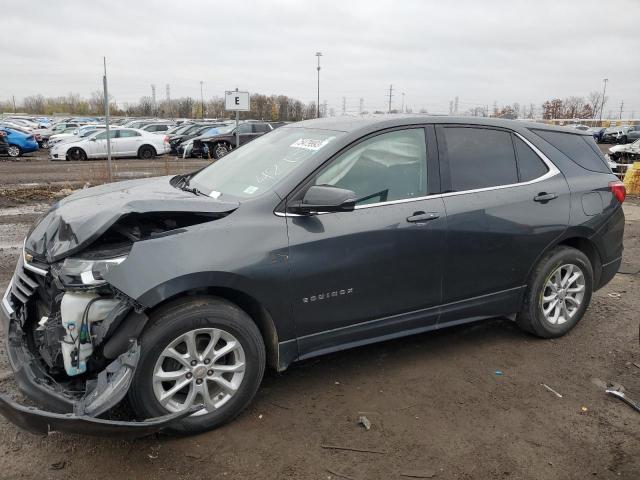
481,51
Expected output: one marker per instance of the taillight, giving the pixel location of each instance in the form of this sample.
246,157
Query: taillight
619,190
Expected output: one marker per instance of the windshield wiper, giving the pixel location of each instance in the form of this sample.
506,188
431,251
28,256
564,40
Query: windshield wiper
184,186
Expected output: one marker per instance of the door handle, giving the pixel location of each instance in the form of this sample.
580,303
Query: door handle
544,197
419,217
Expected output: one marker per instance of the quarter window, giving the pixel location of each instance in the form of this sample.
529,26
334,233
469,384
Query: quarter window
479,158
390,166
530,166
581,149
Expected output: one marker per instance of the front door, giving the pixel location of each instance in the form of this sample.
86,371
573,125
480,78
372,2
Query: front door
374,272
505,205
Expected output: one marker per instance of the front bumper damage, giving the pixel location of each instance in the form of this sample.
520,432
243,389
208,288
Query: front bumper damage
63,410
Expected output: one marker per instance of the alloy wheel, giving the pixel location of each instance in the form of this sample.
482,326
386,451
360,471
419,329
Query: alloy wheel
201,367
13,151
563,294
221,150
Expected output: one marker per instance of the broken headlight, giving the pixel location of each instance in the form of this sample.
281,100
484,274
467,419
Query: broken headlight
83,272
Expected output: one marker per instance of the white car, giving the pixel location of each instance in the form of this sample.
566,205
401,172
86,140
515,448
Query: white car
125,142
629,150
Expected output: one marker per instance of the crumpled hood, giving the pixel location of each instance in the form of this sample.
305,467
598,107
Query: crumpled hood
78,220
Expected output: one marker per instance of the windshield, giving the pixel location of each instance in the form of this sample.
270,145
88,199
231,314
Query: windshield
260,165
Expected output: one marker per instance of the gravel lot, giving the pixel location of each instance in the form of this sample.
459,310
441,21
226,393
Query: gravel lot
437,407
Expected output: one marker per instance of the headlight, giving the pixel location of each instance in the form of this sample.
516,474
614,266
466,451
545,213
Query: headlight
81,272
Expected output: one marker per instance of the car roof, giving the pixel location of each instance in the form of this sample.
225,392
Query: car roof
352,124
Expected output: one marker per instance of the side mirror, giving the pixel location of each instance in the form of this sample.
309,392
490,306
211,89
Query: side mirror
93,139
324,198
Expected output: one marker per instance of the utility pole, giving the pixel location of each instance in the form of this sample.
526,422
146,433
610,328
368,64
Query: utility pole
201,99
319,54
361,107
344,106
169,100
106,118
14,103
621,105
604,90
390,96
153,100
455,106
402,109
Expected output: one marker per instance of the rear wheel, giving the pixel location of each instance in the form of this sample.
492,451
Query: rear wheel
558,294
146,152
201,351
623,139
14,151
76,154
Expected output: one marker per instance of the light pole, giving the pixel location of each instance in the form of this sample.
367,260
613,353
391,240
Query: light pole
604,90
201,99
318,54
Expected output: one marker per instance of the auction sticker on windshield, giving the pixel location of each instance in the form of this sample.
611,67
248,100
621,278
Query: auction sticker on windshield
310,143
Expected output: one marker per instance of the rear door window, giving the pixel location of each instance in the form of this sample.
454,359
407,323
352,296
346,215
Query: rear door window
479,157
580,149
530,165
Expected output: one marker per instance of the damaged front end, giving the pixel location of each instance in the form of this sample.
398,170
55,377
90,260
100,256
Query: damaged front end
72,337
64,351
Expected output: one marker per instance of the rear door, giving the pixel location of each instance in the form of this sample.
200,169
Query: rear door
375,271
505,203
127,143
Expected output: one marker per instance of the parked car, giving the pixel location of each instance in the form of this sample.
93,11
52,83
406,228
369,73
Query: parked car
190,132
633,133
186,147
125,142
55,129
160,128
73,133
222,143
19,142
597,133
138,123
4,146
615,135
369,229
629,152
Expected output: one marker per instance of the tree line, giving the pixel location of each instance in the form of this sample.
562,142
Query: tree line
263,107
273,107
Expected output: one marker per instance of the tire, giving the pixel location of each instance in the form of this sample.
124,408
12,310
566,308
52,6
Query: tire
532,317
45,143
14,151
76,154
220,150
199,314
146,152
623,139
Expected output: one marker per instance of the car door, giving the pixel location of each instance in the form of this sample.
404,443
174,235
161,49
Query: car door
375,271
127,143
96,146
505,203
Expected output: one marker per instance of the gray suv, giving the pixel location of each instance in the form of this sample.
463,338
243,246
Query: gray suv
176,292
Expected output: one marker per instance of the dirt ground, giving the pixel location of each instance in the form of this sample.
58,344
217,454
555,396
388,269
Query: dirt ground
437,404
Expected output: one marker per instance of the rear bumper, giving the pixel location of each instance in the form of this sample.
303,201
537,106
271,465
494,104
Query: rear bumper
608,271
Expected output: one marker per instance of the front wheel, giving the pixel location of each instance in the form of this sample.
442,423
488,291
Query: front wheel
558,293
201,351
220,150
45,143
76,154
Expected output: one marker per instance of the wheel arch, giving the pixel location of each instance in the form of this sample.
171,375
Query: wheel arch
148,145
254,308
579,242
